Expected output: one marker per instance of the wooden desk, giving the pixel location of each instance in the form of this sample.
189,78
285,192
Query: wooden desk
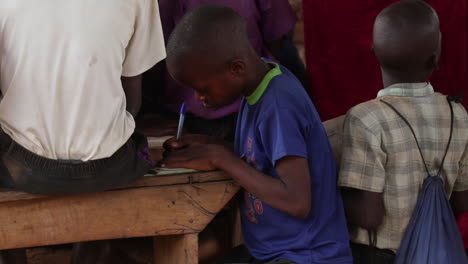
173,209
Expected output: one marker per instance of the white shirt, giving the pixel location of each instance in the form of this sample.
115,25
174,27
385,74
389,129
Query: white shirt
60,67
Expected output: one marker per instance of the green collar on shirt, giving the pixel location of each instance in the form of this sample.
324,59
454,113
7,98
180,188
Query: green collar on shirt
407,89
260,90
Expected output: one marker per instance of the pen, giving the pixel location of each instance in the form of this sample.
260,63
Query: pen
181,121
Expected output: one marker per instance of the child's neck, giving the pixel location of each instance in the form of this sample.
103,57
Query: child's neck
390,78
259,70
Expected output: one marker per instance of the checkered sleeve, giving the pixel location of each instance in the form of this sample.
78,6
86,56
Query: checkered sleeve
363,160
461,184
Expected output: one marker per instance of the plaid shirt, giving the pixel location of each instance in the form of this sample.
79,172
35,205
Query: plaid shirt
380,153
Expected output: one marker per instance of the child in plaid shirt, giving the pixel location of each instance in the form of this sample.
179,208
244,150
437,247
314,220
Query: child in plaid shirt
381,170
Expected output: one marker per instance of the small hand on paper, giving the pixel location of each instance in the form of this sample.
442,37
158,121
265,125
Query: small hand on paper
197,152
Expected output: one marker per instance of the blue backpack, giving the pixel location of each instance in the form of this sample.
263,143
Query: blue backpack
432,235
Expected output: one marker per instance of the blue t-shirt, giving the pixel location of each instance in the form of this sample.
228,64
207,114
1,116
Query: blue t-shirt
276,121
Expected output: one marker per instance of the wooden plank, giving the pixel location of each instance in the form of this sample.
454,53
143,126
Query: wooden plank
7,196
237,238
197,177
176,249
137,212
193,177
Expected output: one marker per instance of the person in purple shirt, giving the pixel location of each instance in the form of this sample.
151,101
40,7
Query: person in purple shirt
291,209
269,24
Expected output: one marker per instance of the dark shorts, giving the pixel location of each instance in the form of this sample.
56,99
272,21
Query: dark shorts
241,255
23,170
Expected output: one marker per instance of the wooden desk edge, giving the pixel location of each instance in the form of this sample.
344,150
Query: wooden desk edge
188,178
169,210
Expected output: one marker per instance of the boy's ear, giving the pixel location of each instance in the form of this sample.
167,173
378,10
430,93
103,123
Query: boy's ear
237,67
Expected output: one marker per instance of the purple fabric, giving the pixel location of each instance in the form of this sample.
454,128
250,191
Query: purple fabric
145,155
267,20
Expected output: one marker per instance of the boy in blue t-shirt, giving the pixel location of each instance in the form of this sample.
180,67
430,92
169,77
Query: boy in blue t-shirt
291,209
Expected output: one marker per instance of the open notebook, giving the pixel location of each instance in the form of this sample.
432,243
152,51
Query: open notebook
163,171
157,143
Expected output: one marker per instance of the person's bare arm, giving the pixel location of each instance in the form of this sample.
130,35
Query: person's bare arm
363,208
133,93
290,193
459,202
190,140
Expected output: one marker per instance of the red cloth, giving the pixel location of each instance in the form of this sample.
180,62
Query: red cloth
463,225
343,71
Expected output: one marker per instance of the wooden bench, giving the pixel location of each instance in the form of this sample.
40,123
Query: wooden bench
173,209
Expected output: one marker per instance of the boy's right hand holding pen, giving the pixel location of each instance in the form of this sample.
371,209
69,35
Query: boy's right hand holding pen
205,157
193,139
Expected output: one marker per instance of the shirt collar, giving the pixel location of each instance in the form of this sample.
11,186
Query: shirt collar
407,89
261,88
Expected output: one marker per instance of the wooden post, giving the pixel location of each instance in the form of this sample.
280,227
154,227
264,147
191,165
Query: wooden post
176,249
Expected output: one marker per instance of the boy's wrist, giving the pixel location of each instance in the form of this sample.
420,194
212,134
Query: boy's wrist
223,158
213,140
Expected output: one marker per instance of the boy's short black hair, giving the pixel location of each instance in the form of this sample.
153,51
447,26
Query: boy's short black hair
210,32
406,34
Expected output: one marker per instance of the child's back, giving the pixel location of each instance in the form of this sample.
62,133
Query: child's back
381,168
376,138
68,82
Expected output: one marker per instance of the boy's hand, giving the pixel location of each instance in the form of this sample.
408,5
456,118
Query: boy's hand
186,141
199,157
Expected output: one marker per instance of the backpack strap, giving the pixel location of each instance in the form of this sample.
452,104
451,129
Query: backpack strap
449,99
